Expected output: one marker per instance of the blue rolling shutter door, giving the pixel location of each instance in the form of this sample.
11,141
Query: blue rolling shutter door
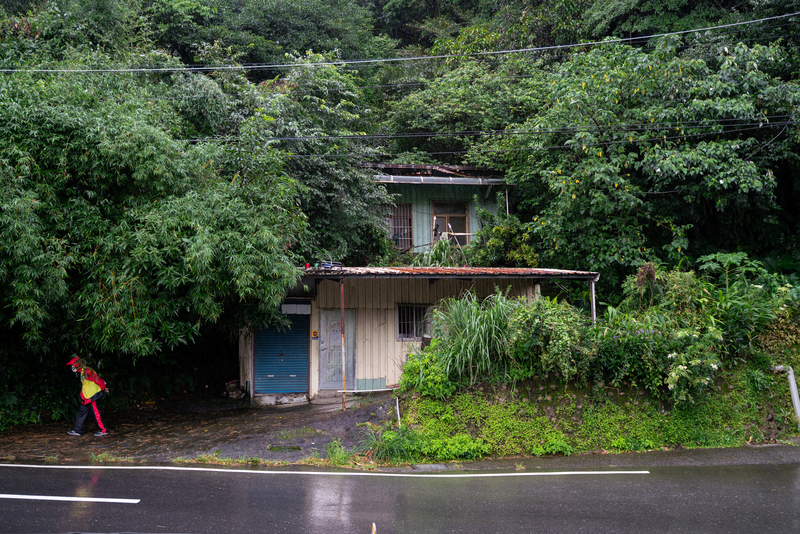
281,358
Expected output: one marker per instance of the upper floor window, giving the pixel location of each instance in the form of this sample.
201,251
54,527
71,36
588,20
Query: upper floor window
450,217
401,226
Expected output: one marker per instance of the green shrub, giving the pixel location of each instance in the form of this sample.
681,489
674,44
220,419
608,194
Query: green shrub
395,446
670,335
553,443
472,335
745,301
690,373
546,335
461,446
424,373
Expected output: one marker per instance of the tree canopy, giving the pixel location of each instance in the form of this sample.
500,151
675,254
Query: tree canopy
166,165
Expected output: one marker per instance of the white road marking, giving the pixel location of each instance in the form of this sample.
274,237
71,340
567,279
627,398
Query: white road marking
71,499
328,473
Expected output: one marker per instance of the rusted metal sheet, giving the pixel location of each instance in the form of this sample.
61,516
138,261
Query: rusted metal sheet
438,180
451,272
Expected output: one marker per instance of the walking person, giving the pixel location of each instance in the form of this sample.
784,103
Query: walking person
92,389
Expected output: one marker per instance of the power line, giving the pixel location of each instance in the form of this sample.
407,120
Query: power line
396,85
761,122
392,60
547,147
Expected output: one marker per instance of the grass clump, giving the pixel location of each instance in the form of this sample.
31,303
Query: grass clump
298,433
215,457
336,454
473,334
397,446
106,457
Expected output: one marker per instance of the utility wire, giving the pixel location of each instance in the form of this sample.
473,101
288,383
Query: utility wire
424,82
617,128
767,121
573,146
395,60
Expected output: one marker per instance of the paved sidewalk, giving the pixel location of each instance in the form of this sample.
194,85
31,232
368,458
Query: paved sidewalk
188,429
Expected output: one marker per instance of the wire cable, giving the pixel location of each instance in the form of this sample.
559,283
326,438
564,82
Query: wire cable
391,60
547,147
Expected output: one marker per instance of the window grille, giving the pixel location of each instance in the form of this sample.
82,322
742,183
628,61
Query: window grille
401,226
413,322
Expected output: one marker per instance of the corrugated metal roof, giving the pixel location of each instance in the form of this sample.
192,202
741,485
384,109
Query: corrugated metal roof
437,180
450,272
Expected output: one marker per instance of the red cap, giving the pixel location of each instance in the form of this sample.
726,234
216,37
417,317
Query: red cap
73,360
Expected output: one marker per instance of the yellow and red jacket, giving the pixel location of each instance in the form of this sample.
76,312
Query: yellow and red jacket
91,383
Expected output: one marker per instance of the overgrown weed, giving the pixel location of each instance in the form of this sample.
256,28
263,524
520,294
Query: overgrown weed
107,457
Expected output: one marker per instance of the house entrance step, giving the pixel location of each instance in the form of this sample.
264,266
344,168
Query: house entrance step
327,398
335,407
324,393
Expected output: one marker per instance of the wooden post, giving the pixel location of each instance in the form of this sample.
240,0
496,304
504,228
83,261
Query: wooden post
344,346
592,299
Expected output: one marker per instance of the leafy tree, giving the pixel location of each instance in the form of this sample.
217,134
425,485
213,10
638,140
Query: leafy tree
178,23
627,18
14,7
264,31
503,241
314,113
460,106
120,239
635,149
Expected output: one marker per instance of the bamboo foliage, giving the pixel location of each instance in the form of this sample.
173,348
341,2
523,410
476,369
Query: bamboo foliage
473,334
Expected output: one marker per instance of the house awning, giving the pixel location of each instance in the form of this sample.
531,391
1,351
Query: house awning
404,173
334,273
437,180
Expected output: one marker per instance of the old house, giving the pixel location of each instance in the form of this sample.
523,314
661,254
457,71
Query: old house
384,310
436,199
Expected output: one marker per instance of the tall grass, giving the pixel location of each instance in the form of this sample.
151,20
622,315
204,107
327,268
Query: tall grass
473,334
443,253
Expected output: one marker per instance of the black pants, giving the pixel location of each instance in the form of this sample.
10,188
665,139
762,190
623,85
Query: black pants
84,410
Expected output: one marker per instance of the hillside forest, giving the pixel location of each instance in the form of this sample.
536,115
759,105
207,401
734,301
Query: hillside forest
166,166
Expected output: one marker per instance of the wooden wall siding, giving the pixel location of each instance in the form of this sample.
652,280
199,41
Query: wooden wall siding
378,352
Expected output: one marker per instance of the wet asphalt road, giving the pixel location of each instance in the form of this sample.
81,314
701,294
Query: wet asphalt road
745,489
757,490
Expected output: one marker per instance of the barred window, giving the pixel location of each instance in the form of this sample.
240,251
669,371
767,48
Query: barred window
413,322
401,226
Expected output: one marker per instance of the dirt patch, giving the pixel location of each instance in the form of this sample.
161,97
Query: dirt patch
187,429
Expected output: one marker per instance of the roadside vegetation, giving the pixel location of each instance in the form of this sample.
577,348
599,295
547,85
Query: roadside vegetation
685,360
166,167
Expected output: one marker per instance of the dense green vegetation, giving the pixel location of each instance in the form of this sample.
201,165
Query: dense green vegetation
684,360
165,165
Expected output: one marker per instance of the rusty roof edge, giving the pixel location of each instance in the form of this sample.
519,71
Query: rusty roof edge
428,272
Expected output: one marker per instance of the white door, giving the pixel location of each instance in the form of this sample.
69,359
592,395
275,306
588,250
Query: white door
330,348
